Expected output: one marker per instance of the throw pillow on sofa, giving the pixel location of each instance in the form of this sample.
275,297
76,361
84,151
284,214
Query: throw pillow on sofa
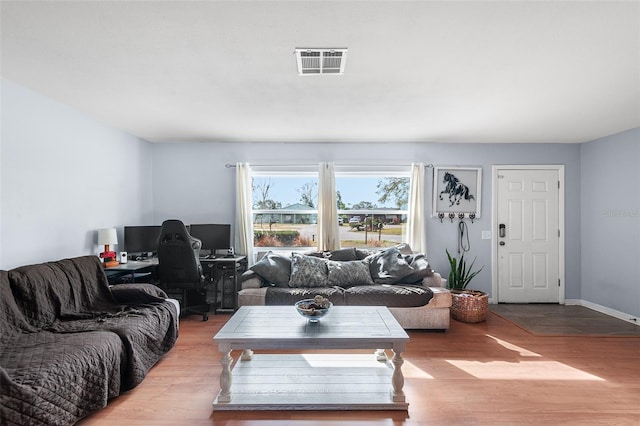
275,268
308,271
421,268
344,254
392,267
348,274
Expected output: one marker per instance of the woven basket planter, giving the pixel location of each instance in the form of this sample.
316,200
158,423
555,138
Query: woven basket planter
469,305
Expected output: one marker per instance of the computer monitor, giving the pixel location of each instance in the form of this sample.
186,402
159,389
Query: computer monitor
141,239
213,236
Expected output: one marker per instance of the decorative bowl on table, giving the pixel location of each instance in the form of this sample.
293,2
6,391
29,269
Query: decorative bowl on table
313,309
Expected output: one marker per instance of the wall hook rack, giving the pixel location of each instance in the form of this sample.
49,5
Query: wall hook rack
472,216
452,216
441,216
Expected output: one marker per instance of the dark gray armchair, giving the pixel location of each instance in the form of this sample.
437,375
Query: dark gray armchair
179,267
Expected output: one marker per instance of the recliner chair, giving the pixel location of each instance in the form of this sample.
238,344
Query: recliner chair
179,266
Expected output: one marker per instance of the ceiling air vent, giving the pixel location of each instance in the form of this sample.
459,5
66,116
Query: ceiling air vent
321,61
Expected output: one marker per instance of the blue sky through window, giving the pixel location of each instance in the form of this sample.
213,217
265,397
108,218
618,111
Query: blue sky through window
352,189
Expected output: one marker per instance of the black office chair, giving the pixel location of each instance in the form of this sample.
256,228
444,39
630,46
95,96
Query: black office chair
179,266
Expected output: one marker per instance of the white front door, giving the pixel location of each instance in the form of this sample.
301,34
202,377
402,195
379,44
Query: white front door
528,235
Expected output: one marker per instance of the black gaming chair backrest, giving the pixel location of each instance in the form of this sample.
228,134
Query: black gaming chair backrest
178,255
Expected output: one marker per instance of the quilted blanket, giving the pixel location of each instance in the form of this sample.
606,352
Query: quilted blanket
67,344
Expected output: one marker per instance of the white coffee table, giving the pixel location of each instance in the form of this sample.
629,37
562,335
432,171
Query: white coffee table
311,381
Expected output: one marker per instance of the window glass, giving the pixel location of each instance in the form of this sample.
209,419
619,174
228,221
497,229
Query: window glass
372,208
285,210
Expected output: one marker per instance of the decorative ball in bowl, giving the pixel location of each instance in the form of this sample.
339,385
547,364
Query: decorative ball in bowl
313,309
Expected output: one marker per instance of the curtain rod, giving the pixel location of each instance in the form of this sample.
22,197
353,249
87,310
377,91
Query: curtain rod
229,165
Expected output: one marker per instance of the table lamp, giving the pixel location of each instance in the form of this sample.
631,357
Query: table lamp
108,237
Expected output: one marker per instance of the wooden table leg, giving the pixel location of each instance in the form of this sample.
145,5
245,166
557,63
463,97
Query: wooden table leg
247,355
397,379
225,377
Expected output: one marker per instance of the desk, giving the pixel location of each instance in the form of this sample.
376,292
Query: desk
223,275
132,268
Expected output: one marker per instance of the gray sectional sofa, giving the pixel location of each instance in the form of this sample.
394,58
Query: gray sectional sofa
394,277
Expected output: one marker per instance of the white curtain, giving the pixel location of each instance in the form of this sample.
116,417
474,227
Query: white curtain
416,225
328,231
244,213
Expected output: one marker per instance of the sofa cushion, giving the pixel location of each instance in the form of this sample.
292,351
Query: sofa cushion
421,268
250,279
275,268
342,255
392,296
350,273
289,296
314,253
308,271
392,267
362,254
404,248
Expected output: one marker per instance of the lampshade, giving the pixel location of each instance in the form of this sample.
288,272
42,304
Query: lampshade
107,236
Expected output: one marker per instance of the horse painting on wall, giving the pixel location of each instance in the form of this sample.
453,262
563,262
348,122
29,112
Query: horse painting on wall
456,190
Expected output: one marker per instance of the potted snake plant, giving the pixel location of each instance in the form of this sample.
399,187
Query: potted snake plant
467,305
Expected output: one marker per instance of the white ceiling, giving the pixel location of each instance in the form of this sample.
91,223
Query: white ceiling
433,71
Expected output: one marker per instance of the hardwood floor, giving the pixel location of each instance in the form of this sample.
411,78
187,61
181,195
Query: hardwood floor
491,373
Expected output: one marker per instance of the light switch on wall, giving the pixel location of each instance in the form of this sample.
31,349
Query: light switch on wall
486,235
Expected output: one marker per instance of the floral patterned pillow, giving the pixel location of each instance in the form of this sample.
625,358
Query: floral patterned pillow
348,274
308,271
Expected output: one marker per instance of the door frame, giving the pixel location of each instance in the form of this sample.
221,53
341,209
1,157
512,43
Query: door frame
494,224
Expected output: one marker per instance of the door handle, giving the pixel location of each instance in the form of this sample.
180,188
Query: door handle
502,231
502,243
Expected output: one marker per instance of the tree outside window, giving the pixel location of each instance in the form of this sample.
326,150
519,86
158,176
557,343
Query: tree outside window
372,209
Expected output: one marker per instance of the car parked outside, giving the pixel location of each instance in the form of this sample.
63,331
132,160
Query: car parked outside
355,219
340,221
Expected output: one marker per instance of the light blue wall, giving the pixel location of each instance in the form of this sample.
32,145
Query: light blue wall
190,182
610,209
64,175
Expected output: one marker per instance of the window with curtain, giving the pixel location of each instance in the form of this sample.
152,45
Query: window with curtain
285,207
372,205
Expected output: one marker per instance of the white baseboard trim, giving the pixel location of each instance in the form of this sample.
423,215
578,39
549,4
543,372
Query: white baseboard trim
604,310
